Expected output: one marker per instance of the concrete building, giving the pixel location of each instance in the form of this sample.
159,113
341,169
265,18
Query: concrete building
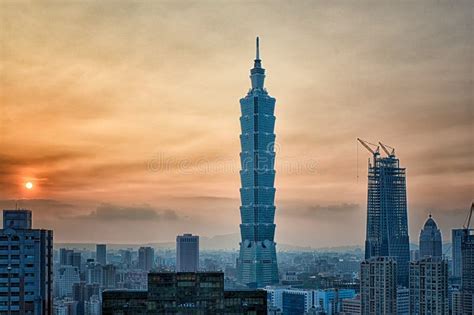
456,239
351,306
403,301
26,262
378,286
430,240
429,286
257,263
65,279
146,258
101,254
187,253
184,293
467,274
387,221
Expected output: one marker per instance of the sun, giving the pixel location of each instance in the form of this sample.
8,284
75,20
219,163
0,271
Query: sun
29,185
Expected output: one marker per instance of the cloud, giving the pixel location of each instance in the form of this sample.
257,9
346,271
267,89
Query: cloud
111,212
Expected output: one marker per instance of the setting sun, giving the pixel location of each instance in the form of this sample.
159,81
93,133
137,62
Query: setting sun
29,185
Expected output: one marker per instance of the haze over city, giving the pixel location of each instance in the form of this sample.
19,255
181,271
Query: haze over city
124,116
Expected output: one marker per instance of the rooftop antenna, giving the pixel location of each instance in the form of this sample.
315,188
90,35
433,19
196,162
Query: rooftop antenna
468,219
258,49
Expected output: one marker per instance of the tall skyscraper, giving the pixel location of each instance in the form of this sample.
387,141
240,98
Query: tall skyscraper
430,240
26,263
187,253
387,223
146,256
456,238
257,263
101,254
378,287
429,286
467,274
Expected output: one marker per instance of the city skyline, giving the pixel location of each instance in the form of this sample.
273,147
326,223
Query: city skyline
129,124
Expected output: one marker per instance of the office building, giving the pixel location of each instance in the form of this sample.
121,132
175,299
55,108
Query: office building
187,253
101,254
467,272
403,301
275,297
184,293
351,306
378,286
109,276
26,262
66,277
93,306
429,286
146,257
387,223
430,240
456,239
257,264
297,301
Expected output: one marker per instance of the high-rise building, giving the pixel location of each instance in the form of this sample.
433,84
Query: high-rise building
467,272
456,239
430,240
257,263
101,254
93,306
65,278
403,301
378,286
146,256
187,253
109,276
429,286
387,223
26,262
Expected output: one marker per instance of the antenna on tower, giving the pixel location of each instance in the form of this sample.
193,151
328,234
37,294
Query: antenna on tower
258,49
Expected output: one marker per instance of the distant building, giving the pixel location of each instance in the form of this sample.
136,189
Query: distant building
26,262
467,274
187,253
403,301
414,254
378,286
429,286
93,306
430,240
109,276
101,254
146,257
184,293
387,222
296,302
456,239
351,306
66,277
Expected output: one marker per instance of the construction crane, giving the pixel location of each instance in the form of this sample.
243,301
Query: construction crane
367,145
385,147
468,219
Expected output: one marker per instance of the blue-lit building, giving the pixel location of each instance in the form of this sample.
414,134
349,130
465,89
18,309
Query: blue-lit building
387,222
430,240
26,266
257,263
297,302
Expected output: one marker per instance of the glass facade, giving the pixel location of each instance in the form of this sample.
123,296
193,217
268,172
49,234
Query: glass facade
387,223
257,261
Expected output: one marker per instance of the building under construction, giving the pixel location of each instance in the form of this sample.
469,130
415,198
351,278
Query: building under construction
387,222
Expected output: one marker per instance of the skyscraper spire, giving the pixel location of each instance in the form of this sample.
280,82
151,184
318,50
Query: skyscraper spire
257,74
258,49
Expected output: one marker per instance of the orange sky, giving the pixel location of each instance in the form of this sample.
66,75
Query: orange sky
125,114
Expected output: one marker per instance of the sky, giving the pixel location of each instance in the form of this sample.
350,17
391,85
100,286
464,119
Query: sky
125,114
